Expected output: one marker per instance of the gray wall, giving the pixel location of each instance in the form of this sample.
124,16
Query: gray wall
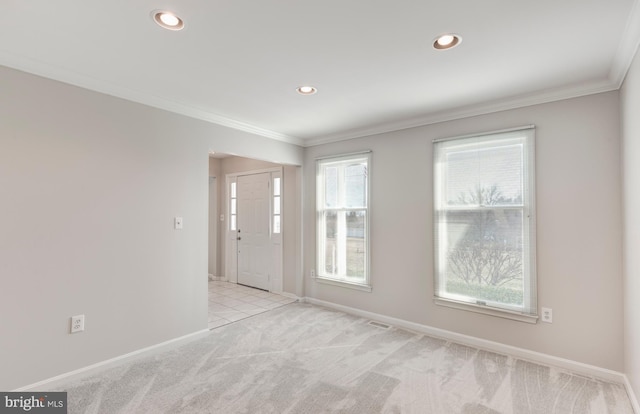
630,98
89,187
578,228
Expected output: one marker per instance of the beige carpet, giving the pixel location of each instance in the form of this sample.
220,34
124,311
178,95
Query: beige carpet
305,359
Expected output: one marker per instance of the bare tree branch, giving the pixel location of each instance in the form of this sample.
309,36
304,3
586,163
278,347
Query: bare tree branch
489,252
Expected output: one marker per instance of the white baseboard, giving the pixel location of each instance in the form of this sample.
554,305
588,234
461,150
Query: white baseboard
574,366
217,278
291,295
110,362
632,395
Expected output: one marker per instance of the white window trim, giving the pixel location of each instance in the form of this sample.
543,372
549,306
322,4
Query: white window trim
528,233
486,309
344,282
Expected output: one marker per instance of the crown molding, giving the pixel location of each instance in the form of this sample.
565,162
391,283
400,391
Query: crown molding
627,48
622,61
70,77
536,98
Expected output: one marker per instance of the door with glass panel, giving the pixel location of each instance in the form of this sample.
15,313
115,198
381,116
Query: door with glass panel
252,221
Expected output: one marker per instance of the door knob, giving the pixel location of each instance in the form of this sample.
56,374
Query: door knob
239,238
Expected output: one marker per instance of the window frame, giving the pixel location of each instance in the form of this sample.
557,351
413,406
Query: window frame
358,283
528,312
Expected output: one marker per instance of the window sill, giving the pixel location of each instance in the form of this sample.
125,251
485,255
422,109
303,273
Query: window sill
501,313
343,283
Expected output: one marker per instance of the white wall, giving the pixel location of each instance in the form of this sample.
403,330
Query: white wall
630,109
578,226
89,187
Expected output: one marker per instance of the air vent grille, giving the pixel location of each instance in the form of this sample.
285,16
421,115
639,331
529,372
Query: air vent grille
379,325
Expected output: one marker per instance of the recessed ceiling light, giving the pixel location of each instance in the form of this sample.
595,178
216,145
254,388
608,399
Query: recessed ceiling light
306,90
447,41
167,20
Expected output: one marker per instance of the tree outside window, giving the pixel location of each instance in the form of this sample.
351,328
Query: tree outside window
484,223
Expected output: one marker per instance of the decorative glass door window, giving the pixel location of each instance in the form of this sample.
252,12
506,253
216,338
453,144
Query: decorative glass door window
276,205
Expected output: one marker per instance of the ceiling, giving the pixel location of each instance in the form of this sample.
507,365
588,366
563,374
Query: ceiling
239,62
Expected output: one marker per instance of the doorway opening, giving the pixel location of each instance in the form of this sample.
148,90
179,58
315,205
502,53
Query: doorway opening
251,215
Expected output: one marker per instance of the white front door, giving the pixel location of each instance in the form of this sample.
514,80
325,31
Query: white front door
253,230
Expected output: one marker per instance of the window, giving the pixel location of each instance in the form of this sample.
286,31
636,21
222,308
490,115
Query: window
233,199
343,219
276,205
484,223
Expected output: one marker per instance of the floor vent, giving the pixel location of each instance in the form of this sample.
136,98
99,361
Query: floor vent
379,325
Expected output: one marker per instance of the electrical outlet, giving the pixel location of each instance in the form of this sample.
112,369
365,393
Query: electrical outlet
77,323
177,223
547,315
312,273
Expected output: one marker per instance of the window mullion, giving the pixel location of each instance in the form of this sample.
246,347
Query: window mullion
341,237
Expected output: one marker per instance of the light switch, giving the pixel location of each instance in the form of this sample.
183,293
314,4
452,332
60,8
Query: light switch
221,217
177,223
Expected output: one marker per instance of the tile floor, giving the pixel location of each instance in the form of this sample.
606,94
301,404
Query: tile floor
229,302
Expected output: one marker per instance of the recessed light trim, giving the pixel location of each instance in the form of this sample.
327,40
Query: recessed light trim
167,20
306,90
447,41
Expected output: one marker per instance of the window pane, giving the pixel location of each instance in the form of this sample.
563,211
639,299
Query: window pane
233,222
484,256
331,187
276,205
485,176
276,224
276,186
330,246
342,229
233,206
356,185
356,246
233,190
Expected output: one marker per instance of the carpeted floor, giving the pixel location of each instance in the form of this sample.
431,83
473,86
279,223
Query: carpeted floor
306,359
